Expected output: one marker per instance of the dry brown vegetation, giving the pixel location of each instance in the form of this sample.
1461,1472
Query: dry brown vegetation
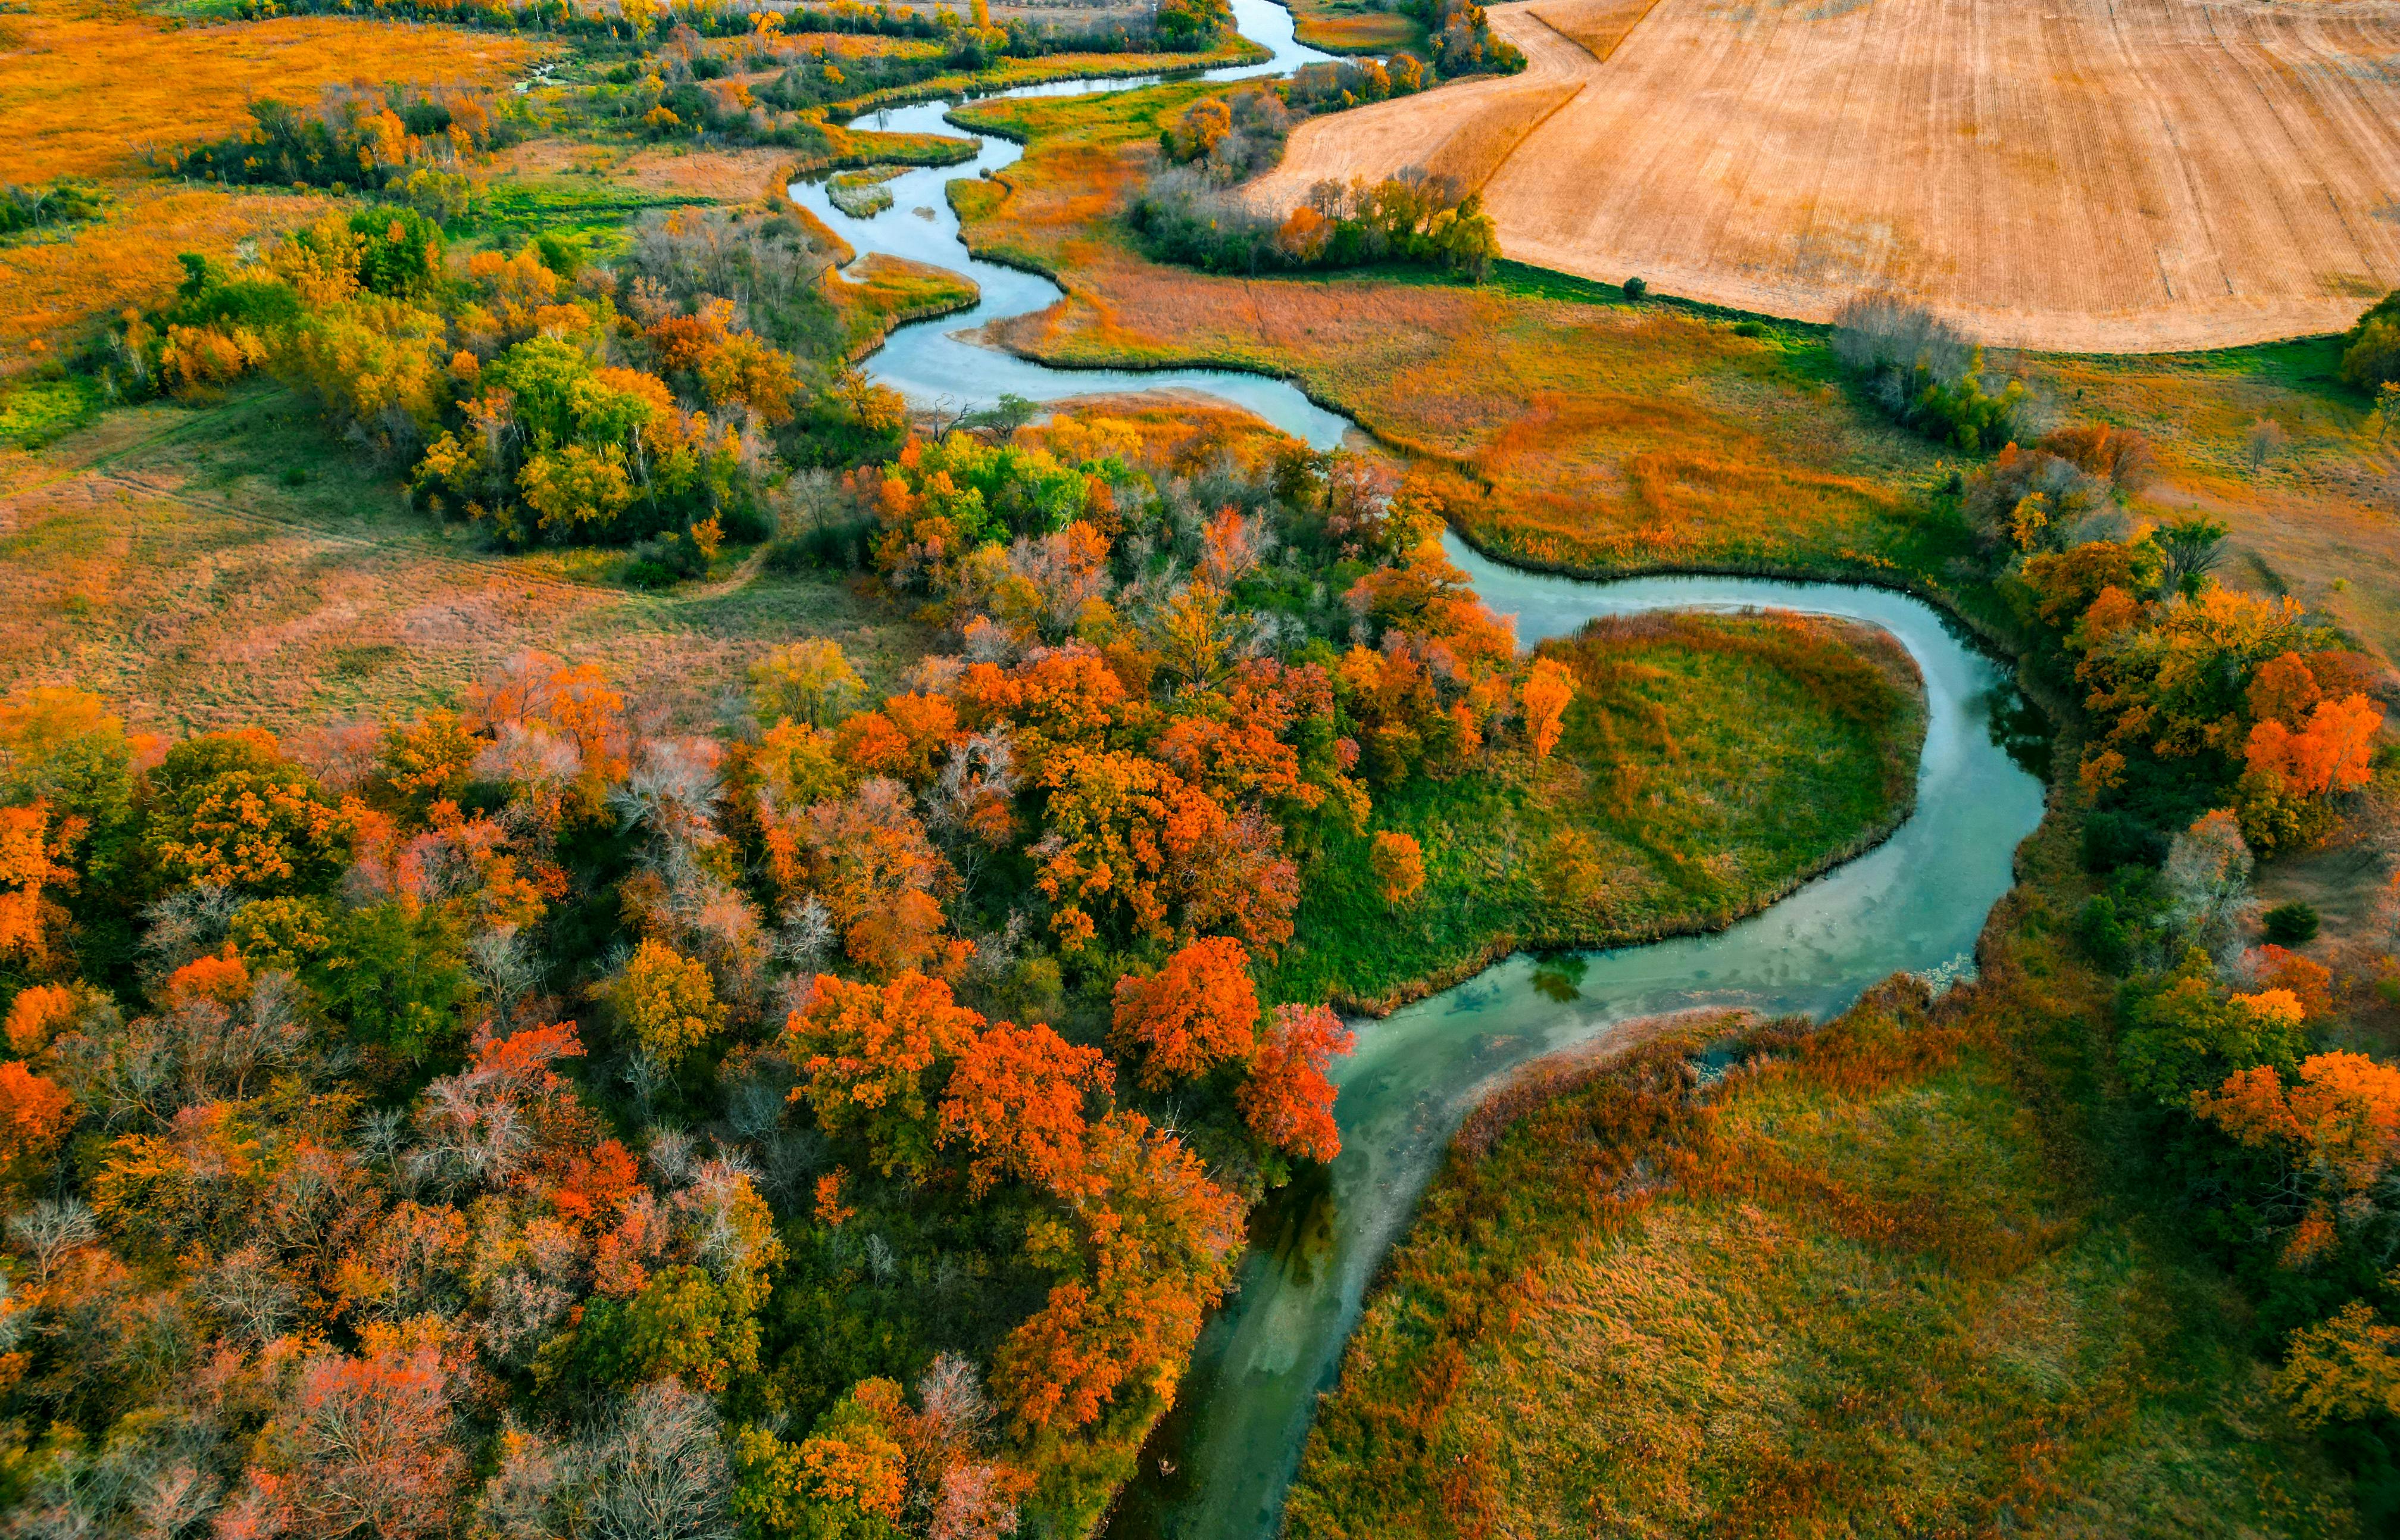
1606,437
85,91
734,175
2158,175
162,560
49,288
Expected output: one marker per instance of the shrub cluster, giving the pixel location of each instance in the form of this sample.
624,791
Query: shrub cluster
2370,358
66,201
1925,373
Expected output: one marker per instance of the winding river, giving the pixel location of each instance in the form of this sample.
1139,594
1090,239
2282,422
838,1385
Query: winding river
1219,1468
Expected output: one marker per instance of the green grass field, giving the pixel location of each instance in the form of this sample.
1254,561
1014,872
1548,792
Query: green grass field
1710,763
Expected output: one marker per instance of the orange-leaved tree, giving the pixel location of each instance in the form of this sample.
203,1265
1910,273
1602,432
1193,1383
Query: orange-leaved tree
1399,864
1194,1013
868,1055
1549,690
1288,1101
1016,1100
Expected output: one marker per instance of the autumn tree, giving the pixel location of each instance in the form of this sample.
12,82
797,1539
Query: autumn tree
807,681
2186,1034
1548,689
1159,1239
1399,864
868,1057
2207,880
667,1001
870,861
2343,1369
1016,1100
35,1113
1197,1012
1287,1102
229,808
32,872
361,1445
2335,1123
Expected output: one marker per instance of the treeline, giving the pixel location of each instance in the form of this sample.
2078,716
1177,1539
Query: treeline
1174,26
2221,724
1191,213
523,1119
409,141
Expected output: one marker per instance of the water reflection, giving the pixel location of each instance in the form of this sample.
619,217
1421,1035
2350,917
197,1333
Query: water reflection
1560,977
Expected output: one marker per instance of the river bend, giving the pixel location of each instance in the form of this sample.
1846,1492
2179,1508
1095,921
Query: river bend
1219,1466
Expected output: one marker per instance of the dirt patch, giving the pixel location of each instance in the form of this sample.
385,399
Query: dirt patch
2100,176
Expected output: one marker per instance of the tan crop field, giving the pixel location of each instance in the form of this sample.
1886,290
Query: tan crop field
2089,175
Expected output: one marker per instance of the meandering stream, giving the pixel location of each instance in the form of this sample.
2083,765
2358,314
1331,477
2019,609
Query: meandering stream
1221,1463
932,364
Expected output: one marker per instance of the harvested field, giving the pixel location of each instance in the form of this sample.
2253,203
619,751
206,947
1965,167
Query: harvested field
2149,175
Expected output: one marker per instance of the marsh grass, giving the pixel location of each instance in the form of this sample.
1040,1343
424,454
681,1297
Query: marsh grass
1587,433
1876,1280
1710,763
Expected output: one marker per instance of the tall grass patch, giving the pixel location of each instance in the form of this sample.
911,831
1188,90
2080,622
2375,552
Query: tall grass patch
1855,1281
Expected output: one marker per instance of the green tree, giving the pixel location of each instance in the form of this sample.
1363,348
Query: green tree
683,1323
2185,1033
396,977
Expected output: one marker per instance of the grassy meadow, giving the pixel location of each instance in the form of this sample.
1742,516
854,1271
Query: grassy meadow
1873,1280
92,90
1709,764
234,566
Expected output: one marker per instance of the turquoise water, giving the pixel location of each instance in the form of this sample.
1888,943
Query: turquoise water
1220,1466
932,365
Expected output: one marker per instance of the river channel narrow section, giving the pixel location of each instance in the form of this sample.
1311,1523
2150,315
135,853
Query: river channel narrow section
1219,1466
934,364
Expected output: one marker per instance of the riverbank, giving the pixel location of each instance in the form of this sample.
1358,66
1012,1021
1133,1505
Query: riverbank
1871,1273
1709,766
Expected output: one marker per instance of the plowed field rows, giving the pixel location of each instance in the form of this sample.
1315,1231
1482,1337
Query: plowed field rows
2119,175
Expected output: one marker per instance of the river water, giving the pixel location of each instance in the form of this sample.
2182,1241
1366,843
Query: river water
1220,1466
932,365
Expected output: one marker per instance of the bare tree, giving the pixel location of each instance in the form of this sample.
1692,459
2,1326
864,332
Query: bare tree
2264,441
